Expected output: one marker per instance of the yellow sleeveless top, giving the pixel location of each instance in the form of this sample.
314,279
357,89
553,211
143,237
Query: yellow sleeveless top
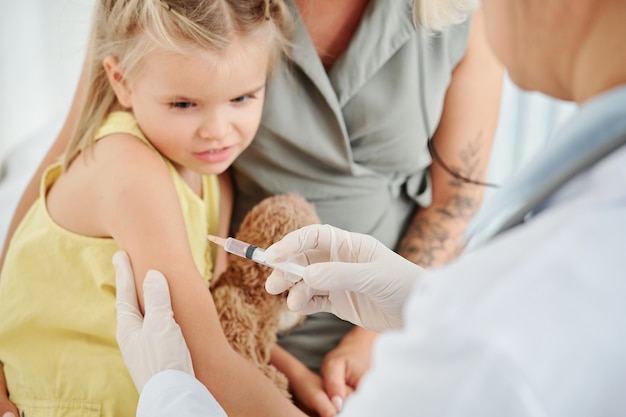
57,305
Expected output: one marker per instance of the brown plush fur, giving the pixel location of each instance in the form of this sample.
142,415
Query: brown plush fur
248,314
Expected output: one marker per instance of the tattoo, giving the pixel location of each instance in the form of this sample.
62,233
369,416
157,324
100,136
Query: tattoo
429,240
434,235
470,160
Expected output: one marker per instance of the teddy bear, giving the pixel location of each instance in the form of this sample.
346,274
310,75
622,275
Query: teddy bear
249,315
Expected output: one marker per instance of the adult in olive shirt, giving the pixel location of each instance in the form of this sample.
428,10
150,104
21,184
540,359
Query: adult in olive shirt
346,123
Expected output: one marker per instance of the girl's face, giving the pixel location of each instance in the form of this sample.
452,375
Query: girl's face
200,110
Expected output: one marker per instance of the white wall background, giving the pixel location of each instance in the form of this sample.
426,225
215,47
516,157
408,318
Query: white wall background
41,50
527,121
42,44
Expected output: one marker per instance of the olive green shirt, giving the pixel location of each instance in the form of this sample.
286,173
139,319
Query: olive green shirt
353,140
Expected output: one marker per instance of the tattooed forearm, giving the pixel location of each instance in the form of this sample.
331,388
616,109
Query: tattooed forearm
470,169
434,235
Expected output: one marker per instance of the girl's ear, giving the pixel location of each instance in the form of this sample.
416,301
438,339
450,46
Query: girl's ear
117,81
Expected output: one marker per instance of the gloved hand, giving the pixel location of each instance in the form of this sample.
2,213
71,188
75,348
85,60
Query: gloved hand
351,275
154,343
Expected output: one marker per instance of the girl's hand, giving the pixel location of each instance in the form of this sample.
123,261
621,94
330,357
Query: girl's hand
310,397
6,406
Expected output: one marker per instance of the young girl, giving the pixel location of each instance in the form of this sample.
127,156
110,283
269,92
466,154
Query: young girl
175,95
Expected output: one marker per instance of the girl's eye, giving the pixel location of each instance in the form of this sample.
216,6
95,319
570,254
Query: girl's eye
182,105
241,99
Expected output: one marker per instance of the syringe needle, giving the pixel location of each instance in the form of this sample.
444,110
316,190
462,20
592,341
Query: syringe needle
216,239
256,254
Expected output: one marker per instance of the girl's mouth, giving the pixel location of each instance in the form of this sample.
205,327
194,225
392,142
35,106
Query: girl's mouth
215,155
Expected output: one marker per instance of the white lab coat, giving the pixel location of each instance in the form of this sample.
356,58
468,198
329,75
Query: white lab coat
530,324
176,393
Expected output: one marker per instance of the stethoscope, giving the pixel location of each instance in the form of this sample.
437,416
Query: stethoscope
527,193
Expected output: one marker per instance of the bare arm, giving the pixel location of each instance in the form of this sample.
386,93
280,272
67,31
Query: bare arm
138,206
463,141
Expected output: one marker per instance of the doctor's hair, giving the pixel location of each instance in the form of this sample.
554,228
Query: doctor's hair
130,30
436,15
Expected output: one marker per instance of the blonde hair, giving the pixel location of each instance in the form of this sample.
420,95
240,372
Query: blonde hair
436,15
131,29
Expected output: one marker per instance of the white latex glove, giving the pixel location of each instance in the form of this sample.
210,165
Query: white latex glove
351,275
153,343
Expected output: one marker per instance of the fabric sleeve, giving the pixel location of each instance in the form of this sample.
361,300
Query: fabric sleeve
458,37
430,369
176,393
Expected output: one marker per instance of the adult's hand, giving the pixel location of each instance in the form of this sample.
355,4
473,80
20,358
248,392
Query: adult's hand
344,366
7,408
152,344
351,275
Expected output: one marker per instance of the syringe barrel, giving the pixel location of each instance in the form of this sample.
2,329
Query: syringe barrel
237,247
246,250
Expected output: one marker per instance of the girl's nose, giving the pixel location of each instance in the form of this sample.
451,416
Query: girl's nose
215,126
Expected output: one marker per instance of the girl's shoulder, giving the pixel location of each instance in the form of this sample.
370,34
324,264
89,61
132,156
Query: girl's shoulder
105,181
120,143
124,161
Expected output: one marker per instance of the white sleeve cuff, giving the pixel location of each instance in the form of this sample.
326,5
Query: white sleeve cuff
172,392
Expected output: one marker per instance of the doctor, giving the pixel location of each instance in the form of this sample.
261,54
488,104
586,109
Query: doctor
530,321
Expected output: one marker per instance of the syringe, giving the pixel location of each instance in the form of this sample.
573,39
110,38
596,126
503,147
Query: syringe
256,254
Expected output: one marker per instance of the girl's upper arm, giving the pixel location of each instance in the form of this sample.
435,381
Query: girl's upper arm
139,207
